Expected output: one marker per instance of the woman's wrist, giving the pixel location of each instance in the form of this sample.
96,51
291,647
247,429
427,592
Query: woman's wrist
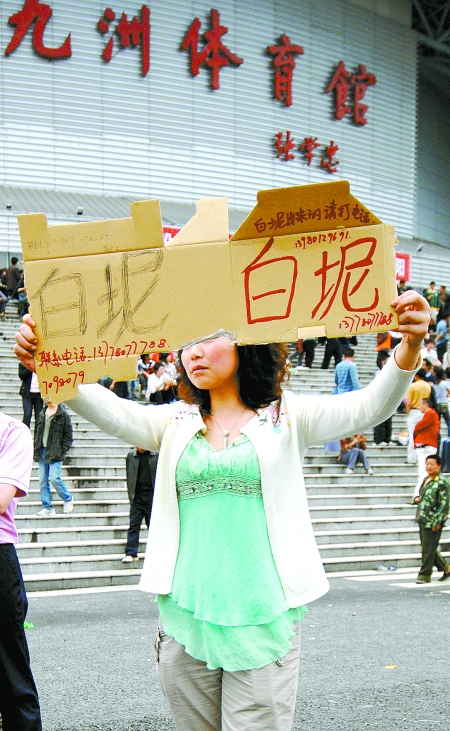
407,355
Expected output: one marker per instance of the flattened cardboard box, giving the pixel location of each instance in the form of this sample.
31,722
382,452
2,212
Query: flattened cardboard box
309,260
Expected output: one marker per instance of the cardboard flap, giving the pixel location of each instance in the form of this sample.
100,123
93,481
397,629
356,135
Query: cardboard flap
304,208
209,224
303,333
142,231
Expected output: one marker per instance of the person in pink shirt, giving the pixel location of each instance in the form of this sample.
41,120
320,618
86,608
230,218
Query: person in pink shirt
19,703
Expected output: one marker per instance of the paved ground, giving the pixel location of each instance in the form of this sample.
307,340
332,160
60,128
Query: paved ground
375,654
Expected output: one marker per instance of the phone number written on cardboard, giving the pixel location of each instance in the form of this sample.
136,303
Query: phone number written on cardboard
329,237
104,351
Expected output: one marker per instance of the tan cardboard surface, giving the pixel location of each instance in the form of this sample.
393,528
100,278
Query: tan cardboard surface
305,208
102,293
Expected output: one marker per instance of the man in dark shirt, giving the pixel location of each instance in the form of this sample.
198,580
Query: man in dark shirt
432,512
13,277
141,473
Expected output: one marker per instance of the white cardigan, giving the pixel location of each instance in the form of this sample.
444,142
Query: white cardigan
304,420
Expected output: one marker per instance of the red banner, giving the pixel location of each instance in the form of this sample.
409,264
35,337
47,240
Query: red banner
402,266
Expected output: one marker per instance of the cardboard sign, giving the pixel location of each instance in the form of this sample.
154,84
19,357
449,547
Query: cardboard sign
308,260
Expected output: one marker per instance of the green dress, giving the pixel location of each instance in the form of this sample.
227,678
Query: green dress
227,606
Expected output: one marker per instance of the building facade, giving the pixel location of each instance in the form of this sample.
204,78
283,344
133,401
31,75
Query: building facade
102,105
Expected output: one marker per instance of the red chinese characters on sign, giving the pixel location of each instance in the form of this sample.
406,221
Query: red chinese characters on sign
277,300
33,11
350,273
341,84
284,64
134,32
214,53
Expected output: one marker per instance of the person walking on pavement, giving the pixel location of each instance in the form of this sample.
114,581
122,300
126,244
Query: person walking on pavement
432,512
141,467
52,439
426,438
19,702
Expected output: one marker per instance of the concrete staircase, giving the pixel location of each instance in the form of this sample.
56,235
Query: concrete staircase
360,521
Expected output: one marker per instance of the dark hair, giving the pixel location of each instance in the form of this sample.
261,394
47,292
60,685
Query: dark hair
349,353
436,458
427,362
421,373
439,373
14,260
428,401
382,357
261,371
158,365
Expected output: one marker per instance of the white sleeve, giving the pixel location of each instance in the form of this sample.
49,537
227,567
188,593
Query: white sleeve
137,424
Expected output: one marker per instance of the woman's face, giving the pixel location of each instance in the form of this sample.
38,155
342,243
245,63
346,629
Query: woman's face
211,363
160,371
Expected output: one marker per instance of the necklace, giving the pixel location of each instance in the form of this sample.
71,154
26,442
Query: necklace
226,432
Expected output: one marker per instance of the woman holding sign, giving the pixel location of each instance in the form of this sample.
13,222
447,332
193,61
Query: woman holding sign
231,552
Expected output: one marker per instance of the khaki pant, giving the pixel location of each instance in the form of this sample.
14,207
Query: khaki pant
431,556
217,700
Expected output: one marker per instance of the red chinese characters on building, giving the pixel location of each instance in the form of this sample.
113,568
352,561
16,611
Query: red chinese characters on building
33,11
284,64
285,144
308,146
214,54
351,272
284,148
134,32
342,82
329,162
